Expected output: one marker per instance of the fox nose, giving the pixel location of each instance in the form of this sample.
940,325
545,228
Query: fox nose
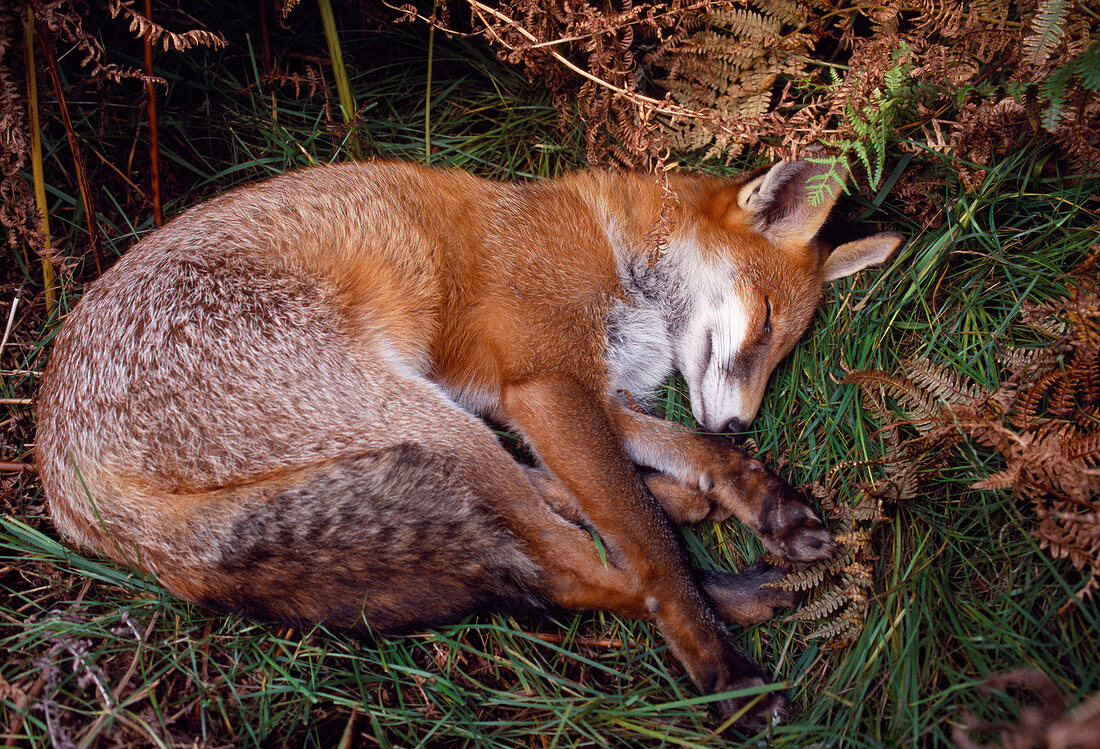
735,426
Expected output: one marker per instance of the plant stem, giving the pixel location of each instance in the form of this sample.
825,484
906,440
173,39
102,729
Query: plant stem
339,72
151,108
49,56
428,91
49,278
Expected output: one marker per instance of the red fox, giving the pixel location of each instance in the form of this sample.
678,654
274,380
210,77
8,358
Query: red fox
274,403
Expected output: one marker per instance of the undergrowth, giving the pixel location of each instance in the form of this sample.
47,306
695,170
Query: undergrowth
948,583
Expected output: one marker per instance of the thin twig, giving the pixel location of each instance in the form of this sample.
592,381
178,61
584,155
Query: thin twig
11,317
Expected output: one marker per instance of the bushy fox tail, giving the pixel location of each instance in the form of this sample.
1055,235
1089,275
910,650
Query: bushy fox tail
388,541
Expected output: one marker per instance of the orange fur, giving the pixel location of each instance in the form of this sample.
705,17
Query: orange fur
272,403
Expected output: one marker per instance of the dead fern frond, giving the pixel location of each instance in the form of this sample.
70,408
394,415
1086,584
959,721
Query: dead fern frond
841,581
805,579
902,475
1005,479
288,5
1048,440
1041,421
727,61
868,509
17,211
1027,405
859,540
1085,447
144,28
822,608
925,414
843,630
947,385
844,558
65,21
311,80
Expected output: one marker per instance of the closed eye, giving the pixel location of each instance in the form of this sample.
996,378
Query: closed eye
708,351
767,315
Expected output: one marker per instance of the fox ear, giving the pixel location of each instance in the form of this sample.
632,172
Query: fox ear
855,256
791,201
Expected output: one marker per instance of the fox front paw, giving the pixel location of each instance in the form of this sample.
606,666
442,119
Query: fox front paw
790,528
785,522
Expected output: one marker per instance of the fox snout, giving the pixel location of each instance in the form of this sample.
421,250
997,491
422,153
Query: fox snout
725,403
728,367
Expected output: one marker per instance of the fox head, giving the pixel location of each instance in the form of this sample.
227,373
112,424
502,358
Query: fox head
757,271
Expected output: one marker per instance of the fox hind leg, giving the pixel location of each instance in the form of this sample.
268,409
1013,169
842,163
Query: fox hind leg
407,537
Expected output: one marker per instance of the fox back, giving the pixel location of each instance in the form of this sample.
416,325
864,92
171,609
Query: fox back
274,403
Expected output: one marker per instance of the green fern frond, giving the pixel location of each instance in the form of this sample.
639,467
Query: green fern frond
1054,90
871,126
864,156
897,77
1047,30
822,188
1087,67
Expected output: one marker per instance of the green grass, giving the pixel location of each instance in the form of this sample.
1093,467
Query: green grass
97,655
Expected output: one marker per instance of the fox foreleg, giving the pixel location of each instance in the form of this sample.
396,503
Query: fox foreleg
702,477
745,597
574,437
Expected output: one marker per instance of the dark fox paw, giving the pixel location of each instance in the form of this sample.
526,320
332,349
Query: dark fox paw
750,596
735,672
790,528
755,713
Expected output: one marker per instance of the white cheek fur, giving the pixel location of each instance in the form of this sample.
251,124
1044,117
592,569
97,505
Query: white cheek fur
723,327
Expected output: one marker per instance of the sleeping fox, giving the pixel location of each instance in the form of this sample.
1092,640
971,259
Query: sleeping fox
274,403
